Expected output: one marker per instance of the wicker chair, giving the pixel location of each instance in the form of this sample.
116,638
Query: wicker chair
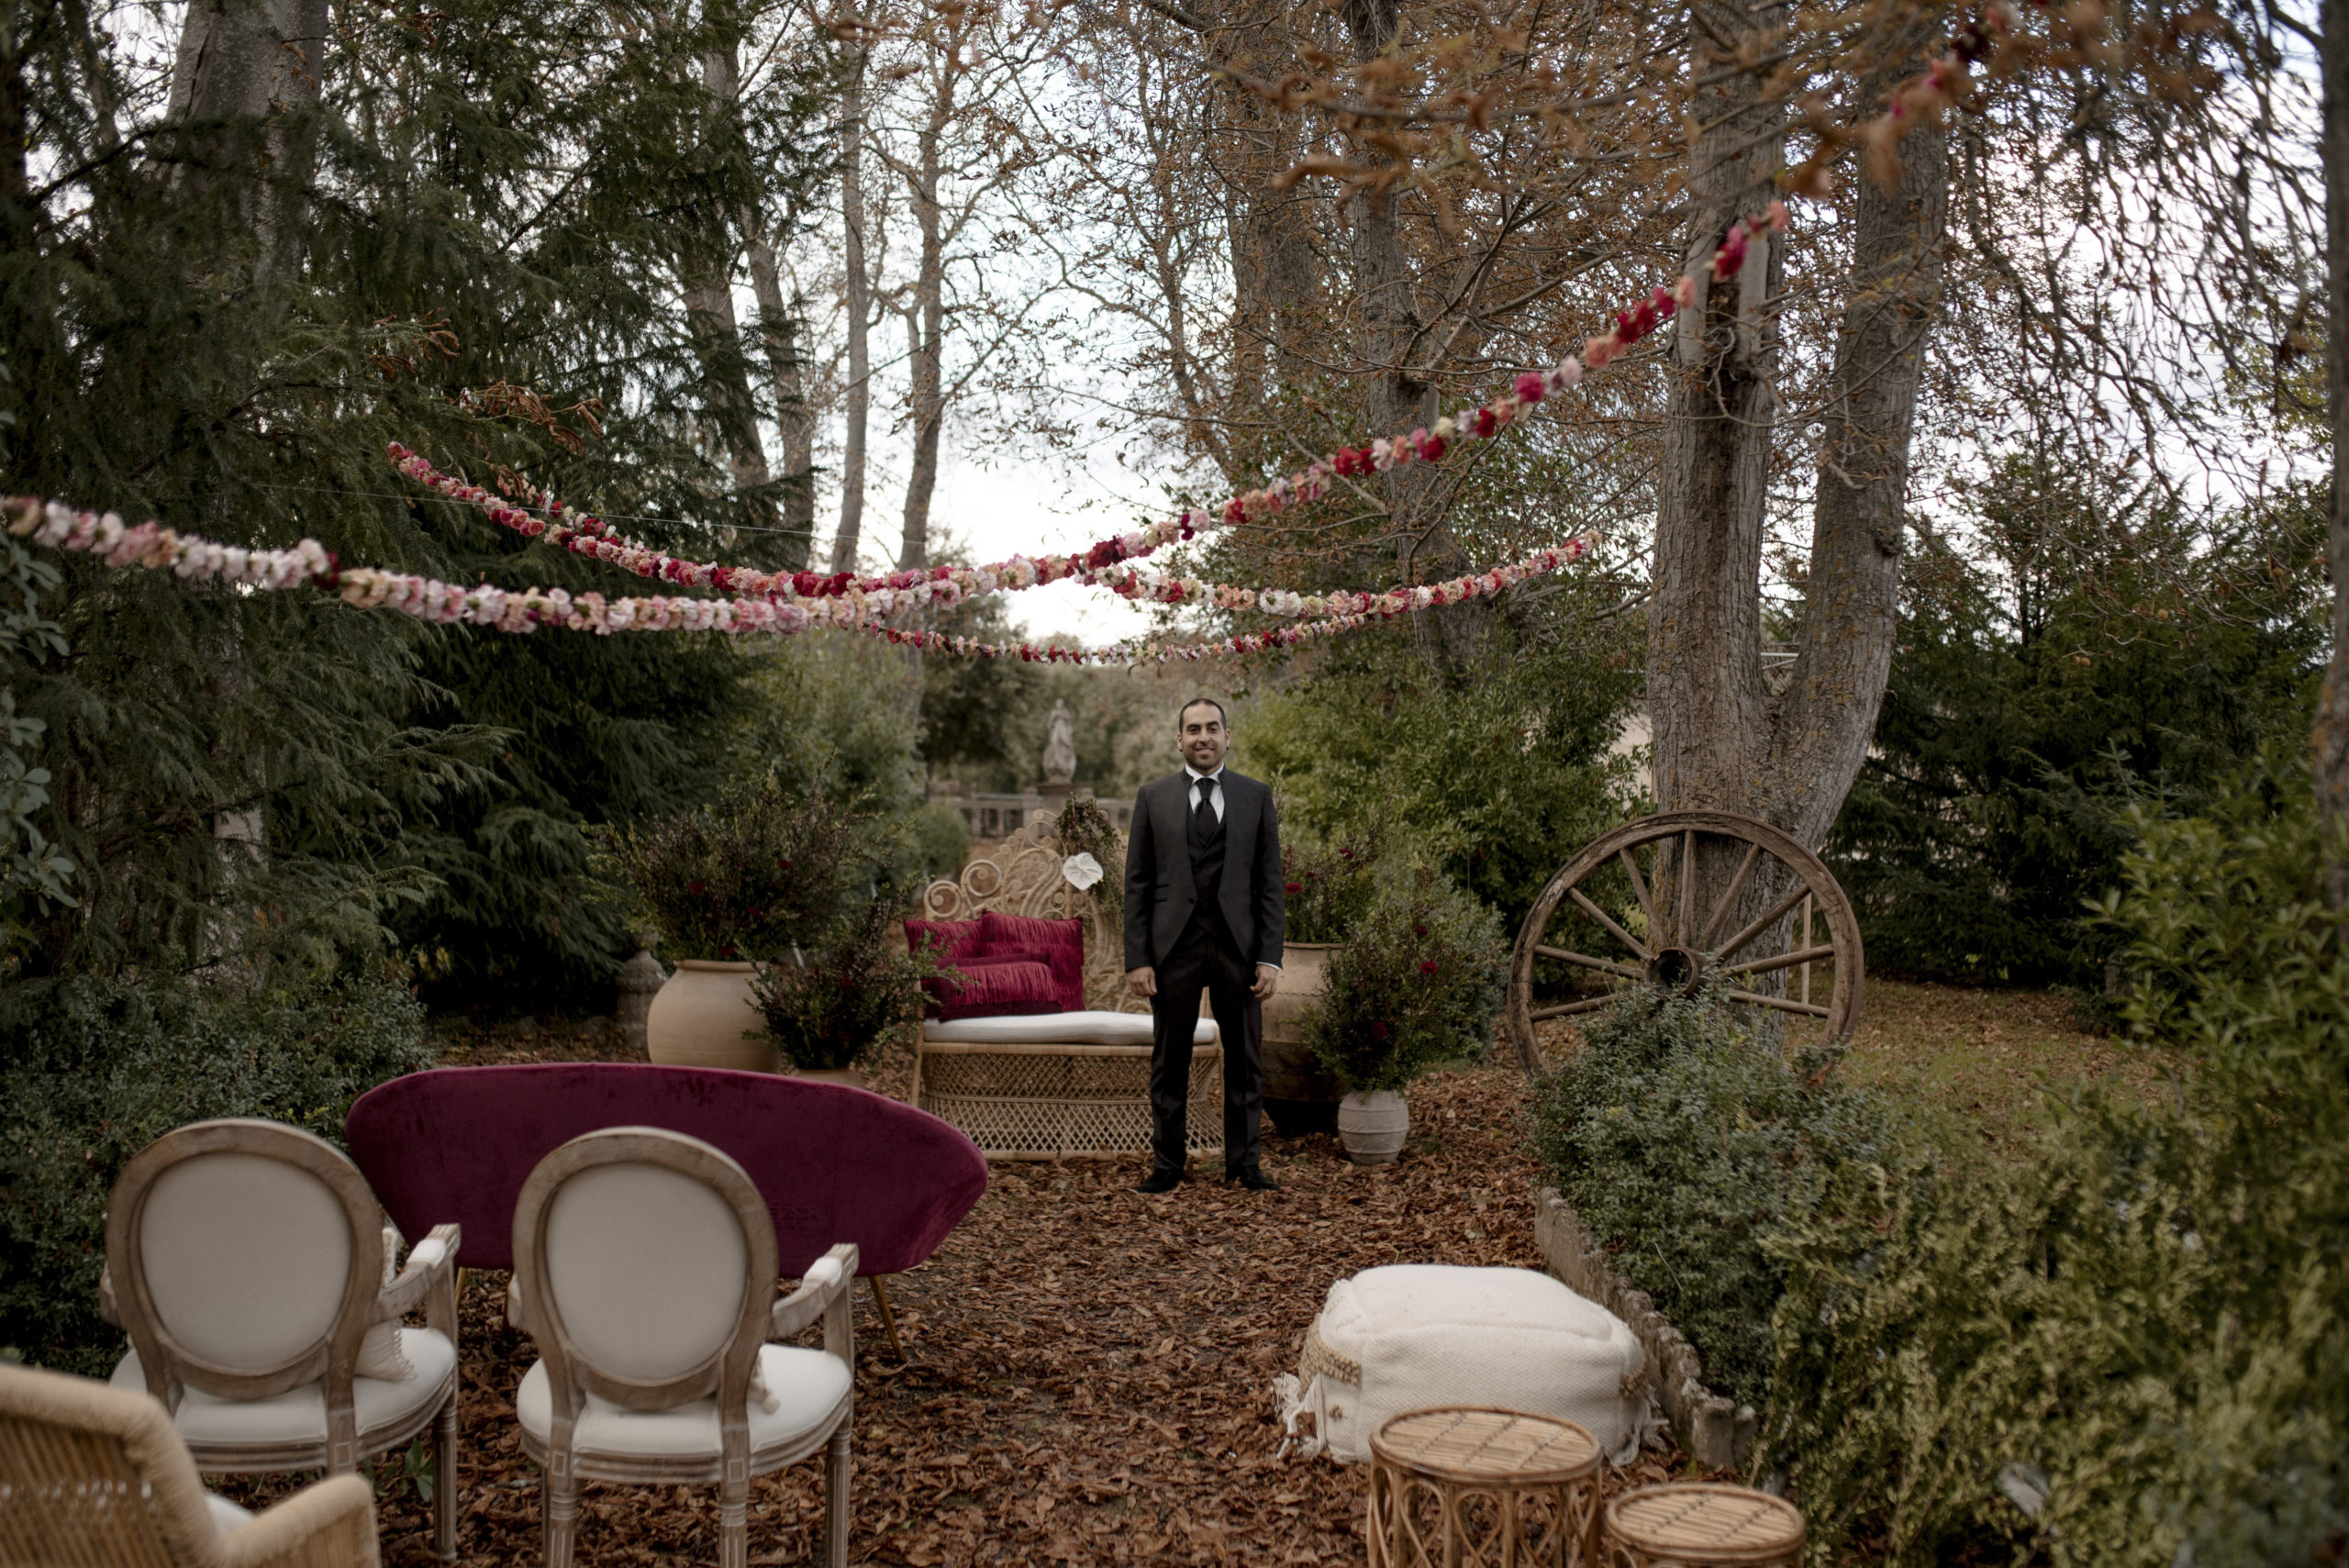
95,1476
644,1262
246,1262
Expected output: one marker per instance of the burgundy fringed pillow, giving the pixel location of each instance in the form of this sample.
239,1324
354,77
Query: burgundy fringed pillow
991,990
948,940
1063,939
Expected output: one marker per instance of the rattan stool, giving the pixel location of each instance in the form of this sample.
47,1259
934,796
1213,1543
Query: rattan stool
1475,1488
1690,1524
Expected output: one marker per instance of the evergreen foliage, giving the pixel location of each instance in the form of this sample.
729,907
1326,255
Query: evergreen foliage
471,242
2100,654
1416,981
96,1070
1502,775
1686,1142
2130,1347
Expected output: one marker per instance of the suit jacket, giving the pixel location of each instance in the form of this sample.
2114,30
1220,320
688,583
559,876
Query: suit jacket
1159,894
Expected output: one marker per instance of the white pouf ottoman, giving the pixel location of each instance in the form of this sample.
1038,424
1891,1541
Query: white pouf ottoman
1414,1336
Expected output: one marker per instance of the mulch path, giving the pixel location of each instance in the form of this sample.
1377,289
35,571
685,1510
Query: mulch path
1089,1373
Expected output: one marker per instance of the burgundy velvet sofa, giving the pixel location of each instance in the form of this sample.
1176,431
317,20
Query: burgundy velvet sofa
834,1163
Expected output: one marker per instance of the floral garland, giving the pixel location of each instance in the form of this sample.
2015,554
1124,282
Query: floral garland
1337,612
1104,563
310,564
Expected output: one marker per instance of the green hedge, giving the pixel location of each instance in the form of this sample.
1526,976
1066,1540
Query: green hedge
93,1071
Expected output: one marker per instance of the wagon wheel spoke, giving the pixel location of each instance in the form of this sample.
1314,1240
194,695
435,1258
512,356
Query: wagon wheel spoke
1784,1004
1639,887
1601,916
1728,897
1588,1005
1770,917
1562,956
1685,927
1784,960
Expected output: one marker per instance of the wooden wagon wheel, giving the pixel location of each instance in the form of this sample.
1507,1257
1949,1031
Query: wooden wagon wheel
1685,924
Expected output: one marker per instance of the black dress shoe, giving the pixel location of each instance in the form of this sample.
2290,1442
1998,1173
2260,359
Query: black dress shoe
1254,1180
1161,1182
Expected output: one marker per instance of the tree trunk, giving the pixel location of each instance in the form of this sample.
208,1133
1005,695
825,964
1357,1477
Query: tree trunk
1722,740
779,326
859,312
250,60
926,327
2332,737
1399,401
706,270
1826,713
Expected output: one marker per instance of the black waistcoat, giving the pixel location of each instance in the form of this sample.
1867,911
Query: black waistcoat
1206,856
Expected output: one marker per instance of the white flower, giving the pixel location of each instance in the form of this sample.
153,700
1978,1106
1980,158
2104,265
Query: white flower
1081,871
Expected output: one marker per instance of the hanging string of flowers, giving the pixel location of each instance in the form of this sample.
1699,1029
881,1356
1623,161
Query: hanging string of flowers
1104,563
310,564
1337,612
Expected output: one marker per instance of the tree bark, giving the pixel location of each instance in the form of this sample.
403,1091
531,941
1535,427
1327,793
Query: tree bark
706,269
2332,736
1707,705
779,326
926,322
858,396
1722,740
252,60
1398,400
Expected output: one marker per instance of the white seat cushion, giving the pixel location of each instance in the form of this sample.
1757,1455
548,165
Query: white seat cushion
299,1414
808,1385
226,1515
1055,1028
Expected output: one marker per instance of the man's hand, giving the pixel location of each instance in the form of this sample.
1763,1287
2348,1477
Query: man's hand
1144,981
1268,980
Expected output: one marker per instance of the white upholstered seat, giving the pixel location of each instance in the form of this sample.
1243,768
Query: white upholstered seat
808,1389
251,1267
384,1410
1092,1028
644,1266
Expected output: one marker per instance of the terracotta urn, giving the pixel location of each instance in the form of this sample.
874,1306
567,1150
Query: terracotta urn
700,1019
1298,1095
1372,1123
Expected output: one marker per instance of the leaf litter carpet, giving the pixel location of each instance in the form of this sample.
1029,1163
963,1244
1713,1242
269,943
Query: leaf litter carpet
1089,1372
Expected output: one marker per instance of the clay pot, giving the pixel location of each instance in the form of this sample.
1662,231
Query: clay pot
1373,1124
853,1077
699,1017
1298,1095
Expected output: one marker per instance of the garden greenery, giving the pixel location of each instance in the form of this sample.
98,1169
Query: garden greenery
837,1005
1418,980
97,1070
745,877
2131,1346
1686,1142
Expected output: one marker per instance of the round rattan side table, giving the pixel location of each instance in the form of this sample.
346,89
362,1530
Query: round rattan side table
1690,1524
1480,1488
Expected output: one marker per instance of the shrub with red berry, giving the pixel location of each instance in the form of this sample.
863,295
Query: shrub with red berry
1417,980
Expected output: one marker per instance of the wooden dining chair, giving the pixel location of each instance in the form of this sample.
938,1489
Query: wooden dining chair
96,1477
246,1261
645,1267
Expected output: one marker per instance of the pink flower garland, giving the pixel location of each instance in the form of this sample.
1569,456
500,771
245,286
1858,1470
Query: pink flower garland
1104,563
310,564
1338,612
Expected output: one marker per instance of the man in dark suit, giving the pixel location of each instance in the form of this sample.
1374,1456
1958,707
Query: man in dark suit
1204,912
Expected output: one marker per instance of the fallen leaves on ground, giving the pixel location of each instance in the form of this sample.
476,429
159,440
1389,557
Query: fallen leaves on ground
1089,1372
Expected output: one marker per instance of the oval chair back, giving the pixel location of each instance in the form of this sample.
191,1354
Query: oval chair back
246,1257
648,1262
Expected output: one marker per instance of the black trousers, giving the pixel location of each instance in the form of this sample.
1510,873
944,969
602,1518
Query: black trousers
1206,958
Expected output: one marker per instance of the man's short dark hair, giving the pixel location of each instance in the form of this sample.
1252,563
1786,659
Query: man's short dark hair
1222,717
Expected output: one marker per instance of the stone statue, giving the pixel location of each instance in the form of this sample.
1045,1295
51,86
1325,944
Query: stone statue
1060,749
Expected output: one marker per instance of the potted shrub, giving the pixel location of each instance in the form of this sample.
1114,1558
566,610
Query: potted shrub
1420,981
731,885
1328,889
829,1011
